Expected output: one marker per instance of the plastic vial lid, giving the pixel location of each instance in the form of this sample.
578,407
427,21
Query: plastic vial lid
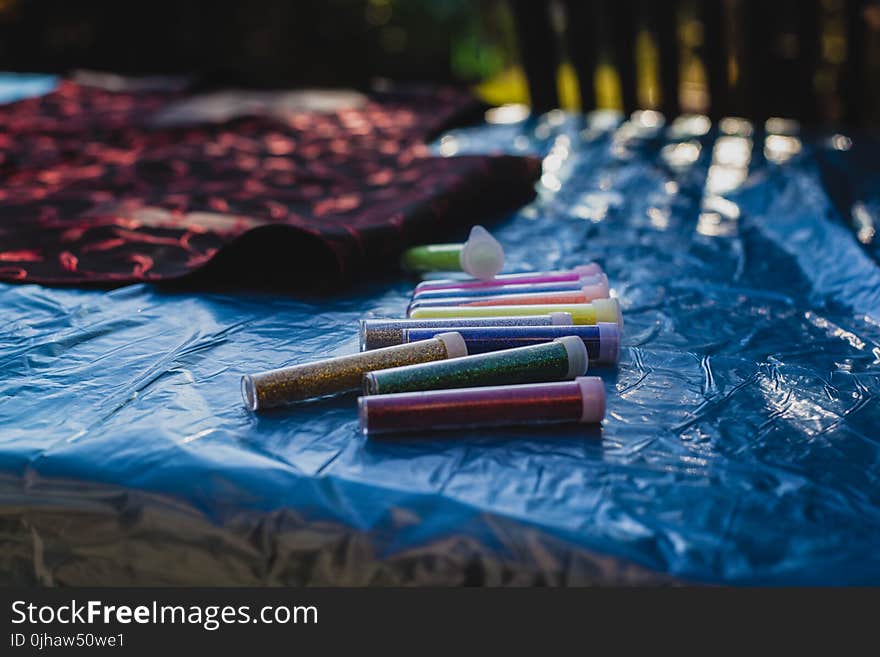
248,393
578,358
609,342
369,383
589,269
597,290
592,398
455,344
561,319
363,416
482,256
362,335
608,310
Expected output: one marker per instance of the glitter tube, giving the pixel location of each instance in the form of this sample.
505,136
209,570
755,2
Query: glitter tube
493,290
481,256
581,400
378,333
590,269
602,340
326,377
600,310
583,295
564,358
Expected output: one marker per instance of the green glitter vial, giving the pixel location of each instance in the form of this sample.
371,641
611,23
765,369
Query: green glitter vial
564,358
481,256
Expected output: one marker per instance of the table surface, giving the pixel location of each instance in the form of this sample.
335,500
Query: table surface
741,443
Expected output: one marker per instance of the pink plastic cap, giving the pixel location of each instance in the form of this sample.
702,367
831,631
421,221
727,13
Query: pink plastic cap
596,291
592,398
609,343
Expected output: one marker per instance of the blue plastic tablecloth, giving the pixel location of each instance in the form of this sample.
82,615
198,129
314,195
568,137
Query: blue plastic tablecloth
16,86
741,443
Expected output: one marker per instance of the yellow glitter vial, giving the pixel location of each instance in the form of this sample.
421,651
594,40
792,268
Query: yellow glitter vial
600,310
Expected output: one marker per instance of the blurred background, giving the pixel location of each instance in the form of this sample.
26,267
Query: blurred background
818,60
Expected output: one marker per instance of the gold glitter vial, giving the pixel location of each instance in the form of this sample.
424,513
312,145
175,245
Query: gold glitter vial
333,375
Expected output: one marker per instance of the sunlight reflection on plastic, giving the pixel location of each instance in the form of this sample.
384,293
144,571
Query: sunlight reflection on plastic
690,125
448,146
732,151
864,223
779,126
713,224
780,149
841,142
733,125
507,114
682,155
554,118
551,182
648,119
552,163
604,119
594,206
659,217
724,207
723,179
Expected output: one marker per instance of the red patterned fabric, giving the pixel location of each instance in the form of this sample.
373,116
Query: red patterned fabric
94,192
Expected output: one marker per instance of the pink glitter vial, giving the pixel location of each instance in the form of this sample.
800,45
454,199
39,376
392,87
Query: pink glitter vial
580,400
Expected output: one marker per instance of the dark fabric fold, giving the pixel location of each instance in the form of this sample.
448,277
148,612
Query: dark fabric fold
99,188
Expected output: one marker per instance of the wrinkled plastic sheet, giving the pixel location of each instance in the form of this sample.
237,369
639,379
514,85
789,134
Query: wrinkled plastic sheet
741,443
17,86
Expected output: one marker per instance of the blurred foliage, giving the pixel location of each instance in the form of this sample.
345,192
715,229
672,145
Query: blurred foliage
350,42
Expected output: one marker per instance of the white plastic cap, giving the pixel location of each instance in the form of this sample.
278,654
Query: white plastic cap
370,385
589,269
455,344
482,256
609,343
362,334
561,319
249,393
578,358
363,416
592,398
608,310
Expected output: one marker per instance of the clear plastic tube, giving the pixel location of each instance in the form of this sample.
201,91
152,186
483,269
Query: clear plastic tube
590,269
602,340
334,375
564,358
581,400
378,333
